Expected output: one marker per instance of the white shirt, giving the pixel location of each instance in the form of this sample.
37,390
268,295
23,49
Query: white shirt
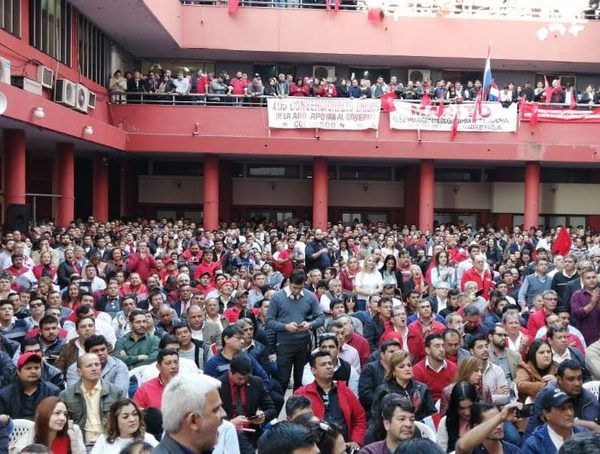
308,377
555,438
228,441
102,445
349,354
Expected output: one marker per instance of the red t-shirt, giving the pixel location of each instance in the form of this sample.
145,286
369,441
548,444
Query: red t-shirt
238,86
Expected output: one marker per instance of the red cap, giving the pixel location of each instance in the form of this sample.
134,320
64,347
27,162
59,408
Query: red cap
227,282
27,357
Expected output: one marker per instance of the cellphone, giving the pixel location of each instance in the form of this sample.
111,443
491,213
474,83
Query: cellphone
526,411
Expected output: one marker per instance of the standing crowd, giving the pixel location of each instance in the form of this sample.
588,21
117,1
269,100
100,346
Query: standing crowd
160,336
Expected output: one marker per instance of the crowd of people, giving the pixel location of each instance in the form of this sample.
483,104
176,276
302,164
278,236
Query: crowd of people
242,89
373,338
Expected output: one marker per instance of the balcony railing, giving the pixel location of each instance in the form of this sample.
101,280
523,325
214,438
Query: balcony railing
212,99
546,10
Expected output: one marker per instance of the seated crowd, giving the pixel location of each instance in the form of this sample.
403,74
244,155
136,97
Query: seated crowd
370,338
241,88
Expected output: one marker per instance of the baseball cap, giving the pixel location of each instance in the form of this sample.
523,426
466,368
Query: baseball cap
555,398
240,293
27,357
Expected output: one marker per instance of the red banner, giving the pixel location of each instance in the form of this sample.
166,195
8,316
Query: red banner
558,115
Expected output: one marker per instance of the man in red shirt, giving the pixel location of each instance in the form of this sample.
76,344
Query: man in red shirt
480,275
434,370
537,318
240,299
150,393
418,330
355,340
208,265
238,87
141,261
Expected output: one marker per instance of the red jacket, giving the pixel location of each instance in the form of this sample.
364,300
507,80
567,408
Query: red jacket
483,282
354,414
144,267
415,339
536,320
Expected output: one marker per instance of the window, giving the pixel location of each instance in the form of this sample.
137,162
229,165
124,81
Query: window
307,172
94,52
182,168
458,175
274,170
10,16
50,28
365,173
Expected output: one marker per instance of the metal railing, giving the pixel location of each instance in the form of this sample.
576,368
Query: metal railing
213,99
553,10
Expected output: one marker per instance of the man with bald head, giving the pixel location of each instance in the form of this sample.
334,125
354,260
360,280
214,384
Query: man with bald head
89,399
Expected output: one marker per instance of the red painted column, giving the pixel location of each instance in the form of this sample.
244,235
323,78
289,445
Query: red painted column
15,158
65,183
411,195
211,192
100,191
532,195
320,193
426,194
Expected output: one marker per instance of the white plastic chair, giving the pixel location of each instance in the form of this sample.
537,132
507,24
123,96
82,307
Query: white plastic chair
426,431
593,387
22,428
143,373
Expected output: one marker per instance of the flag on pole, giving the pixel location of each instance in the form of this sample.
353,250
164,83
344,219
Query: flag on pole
425,100
547,90
387,102
534,114
233,6
477,106
488,79
573,105
494,94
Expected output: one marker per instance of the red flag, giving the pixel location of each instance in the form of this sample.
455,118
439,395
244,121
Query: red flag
562,243
547,90
375,14
425,100
387,102
440,110
233,6
454,130
573,105
534,114
336,6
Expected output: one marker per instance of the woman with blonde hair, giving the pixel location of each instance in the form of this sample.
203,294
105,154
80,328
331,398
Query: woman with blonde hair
399,380
368,282
470,370
124,425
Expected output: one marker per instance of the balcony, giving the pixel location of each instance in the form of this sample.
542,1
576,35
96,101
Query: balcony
229,130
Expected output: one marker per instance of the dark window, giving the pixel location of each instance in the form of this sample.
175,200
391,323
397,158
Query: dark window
458,175
365,173
94,52
191,168
274,170
307,172
10,16
50,28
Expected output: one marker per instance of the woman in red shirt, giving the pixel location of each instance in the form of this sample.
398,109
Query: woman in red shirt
53,430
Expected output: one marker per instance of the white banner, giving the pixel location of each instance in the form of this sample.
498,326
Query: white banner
323,113
493,117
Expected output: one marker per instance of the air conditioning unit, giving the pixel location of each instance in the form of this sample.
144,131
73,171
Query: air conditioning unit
64,92
324,72
419,75
45,76
4,70
91,100
29,85
81,98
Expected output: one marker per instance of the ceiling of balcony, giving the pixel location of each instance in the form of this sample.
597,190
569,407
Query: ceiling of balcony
152,37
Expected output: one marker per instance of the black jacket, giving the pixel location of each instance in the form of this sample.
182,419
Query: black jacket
12,399
373,330
371,377
257,398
